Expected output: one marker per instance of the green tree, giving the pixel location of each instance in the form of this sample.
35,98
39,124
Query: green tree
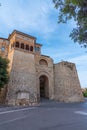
4,77
85,93
76,10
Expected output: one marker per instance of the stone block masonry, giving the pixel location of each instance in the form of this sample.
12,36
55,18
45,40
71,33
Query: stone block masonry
34,76
66,83
22,79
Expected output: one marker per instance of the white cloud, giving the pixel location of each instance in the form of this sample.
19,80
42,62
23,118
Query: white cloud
34,16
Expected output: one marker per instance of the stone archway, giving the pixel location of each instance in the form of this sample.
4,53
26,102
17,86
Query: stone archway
44,86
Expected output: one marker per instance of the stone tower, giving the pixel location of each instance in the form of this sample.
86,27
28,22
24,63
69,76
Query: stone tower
33,76
66,83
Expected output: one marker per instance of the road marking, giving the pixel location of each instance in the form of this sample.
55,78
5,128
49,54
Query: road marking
81,113
9,121
6,112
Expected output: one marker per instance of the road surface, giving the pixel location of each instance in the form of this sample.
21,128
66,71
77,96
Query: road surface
50,115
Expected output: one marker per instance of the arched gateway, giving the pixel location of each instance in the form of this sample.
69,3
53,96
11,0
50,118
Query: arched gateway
44,86
33,75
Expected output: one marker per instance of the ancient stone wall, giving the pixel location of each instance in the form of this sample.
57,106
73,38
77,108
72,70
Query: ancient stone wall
3,92
66,83
22,79
26,68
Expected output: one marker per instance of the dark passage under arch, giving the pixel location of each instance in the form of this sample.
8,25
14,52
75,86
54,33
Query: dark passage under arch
44,86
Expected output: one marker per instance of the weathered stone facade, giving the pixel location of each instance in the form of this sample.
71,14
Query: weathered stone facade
67,86
33,75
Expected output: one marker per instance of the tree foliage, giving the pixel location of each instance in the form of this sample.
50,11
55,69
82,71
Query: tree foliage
85,93
3,71
77,10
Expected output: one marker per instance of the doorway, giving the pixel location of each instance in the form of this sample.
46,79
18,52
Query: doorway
44,86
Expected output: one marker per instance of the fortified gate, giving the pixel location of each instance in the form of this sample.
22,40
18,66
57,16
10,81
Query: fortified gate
33,75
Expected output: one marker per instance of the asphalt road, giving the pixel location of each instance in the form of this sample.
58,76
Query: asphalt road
50,115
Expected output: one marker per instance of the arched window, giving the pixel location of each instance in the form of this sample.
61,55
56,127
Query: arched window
27,47
22,45
31,48
17,44
43,62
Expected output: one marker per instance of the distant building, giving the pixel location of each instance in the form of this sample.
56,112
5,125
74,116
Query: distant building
33,76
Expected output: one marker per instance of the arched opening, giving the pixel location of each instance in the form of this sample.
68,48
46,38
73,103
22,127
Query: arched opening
17,44
44,86
31,48
27,47
22,45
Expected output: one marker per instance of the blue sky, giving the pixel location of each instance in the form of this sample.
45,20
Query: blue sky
39,18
